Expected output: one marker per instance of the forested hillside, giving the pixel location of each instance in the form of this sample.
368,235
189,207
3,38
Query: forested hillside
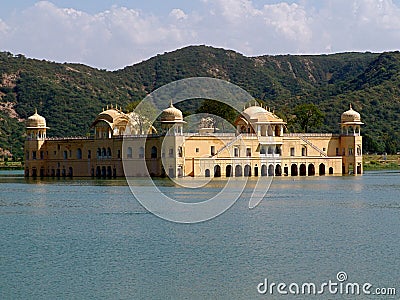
70,95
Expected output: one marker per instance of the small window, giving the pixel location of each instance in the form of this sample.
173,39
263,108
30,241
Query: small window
350,151
248,152
27,155
33,154
119,153
171,152
129,152
153,152
65,156
197,150
304,151
89,154
337,151
41,155
141,152
292,151
236,152
212,150
79,153
180,152
323,149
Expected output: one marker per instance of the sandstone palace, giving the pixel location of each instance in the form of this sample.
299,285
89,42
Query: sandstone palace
259,147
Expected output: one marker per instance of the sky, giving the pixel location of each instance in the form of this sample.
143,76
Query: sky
113,34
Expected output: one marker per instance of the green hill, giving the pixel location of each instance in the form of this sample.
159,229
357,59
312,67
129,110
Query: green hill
70,95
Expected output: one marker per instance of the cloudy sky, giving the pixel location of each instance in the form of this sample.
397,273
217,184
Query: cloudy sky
112,34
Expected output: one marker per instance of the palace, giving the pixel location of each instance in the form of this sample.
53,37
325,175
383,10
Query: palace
259,147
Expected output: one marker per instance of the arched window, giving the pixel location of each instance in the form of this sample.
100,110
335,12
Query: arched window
293,170
141,152
217,171
303,170
108,152
129,152
321,169
330,170
238,171
278,170
79,153
103,152
228,171
247,170
154,152
98,152
264,170
207,173
271,170
311,170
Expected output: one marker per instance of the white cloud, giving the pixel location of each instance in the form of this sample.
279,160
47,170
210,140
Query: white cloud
178,14
121,36
3,27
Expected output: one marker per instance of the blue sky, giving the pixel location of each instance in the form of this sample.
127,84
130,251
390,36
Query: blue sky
113,34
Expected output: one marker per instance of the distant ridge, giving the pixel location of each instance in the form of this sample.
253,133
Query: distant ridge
70,95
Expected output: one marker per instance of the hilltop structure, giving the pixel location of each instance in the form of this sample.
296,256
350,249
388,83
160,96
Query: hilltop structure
260,147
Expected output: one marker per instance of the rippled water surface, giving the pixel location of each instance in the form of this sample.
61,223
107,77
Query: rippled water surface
89,239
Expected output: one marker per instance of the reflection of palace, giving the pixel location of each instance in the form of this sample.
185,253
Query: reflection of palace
258,148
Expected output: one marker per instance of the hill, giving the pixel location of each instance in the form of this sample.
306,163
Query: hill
70,95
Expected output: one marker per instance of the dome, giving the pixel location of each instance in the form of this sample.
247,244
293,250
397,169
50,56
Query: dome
36,121
252,111
351,116
111,116
260,114
171,114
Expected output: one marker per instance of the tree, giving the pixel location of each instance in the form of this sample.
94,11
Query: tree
219,109
308,116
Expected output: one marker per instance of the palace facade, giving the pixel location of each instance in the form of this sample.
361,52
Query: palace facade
259,147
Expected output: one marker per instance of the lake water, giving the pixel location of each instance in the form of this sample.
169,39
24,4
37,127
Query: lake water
88,239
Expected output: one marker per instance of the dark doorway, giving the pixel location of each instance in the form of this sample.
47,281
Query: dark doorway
293,170
229,171
303,170
311,170
321,169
